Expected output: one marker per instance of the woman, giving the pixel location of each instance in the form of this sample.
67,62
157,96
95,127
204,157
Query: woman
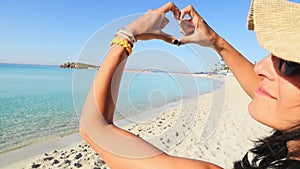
274,87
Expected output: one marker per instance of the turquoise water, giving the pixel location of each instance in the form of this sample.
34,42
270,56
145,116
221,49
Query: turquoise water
141,92
35,103
42,102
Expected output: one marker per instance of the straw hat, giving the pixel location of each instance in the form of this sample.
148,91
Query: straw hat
277,27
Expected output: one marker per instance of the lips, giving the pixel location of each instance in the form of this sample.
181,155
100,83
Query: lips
262,92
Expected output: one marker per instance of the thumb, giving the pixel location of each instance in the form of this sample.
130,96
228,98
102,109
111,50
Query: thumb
198,37
187,39
165,37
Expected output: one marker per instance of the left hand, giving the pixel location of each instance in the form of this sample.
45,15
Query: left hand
150,25
195,29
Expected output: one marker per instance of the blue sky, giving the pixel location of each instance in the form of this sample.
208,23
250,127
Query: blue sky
54,31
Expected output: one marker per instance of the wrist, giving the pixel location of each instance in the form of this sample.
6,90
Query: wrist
133,31
217,42
124,33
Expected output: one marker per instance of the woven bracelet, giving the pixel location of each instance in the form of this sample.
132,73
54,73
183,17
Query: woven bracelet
124,43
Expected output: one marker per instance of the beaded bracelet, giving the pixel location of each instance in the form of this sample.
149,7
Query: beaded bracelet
124,43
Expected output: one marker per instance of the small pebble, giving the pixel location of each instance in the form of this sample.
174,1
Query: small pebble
55,162
78,156
48,158
78,165
35,165
68,161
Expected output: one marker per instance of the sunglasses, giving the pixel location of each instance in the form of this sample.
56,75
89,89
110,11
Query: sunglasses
287,67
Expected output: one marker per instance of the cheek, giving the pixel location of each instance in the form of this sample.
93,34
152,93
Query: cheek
289,105
289,94
289,102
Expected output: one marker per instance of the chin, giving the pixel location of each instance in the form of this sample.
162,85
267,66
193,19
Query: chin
252,108
259,114
265,117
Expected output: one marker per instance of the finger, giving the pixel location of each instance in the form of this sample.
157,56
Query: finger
185,33
187,39
198,37
189,10
170,7
164,22
186,27
167,37
158,35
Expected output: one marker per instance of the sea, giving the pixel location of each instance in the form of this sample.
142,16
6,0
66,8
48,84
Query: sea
40,102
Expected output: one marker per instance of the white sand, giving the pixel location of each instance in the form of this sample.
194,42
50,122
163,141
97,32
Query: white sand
179,131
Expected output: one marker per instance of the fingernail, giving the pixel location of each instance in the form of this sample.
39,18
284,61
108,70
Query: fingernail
175,42
179,43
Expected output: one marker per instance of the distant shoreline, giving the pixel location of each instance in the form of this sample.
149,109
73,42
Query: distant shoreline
77,65
89,66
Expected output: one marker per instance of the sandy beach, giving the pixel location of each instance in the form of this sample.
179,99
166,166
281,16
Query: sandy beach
200,128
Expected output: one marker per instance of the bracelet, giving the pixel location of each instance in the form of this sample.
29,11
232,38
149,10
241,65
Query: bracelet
124,43
128,35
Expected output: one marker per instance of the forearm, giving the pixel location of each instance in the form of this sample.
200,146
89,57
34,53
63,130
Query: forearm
97,117
242,69
107,81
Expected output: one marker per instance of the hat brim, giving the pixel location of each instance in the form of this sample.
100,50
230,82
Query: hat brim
277,27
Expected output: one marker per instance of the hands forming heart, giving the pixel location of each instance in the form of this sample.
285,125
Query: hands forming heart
195,29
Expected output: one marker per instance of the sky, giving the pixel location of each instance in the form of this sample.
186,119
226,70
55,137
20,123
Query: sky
52,32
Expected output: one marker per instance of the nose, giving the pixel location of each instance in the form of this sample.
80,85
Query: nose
265,68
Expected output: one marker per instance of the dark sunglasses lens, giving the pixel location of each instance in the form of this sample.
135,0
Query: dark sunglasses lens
286,68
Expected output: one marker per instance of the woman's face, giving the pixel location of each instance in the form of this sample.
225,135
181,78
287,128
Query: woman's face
277,98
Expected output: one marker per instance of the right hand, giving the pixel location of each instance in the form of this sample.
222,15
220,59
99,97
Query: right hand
150,25
195,29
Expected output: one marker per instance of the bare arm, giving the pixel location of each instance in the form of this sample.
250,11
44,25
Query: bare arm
242,69
204,35
109,141
119,148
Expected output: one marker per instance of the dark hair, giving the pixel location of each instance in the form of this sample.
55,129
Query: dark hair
272,153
